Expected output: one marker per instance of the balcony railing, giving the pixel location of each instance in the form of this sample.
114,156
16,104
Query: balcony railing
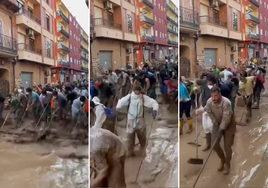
213,21
29,15
172,31
254,2
172,20
91,23
63,31
82,36
172,42
171,9
147,20
84,68
84,58
63,47
148,38
189,18
107,23
30,48
62,15
252,18
148,3
8,44
83,48
252,36
65,63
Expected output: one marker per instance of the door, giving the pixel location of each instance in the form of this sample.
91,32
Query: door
26,79
106,60
210,57
250,53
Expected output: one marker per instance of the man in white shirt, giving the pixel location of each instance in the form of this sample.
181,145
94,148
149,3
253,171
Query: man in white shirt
112,77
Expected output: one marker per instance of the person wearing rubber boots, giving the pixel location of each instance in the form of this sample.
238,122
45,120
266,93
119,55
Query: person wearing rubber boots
224,125
34,103
23,101
107,159
135,103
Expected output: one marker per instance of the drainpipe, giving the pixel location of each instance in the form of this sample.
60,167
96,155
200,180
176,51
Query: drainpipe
12,46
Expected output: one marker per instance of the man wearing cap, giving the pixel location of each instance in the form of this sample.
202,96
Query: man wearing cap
135,103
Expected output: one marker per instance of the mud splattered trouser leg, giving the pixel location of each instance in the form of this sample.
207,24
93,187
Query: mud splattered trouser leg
249,110
36,110
140,130
18,115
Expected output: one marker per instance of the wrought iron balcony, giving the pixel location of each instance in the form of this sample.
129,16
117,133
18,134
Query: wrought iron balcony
62,15
82,36
147,20
148,3
65,63
252,18
171,9
84,58
189,18
29,15
63,47
172,42
83,48
213,21
84,68
254,2
63,31
30,48
252,36
8,44
172,31
10,4
91,23
171,20
107,23
148,38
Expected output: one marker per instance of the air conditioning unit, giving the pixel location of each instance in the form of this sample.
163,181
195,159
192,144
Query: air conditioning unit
47,73
214,3
29,32
233,48
129,50
261,45
108,5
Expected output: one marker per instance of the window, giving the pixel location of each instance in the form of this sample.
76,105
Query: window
261,16
71,32
129,24
261,31
265,33
159,20
160,35
154,2
71,59
70,19
74,36
235,25
164,10
260,1
155,18
47,23
156,33
48,48
20,5
71,46
159,6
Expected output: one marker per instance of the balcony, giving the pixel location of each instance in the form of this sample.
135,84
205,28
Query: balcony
172,31
30,53
254,2
84,68
252,36
189,20
27,20
84,58
172,20
252,18
213,26
147,3
61,14
63,31
91,23
171,9
86,40
63,48
8,46
10,4
64,63
147,20
83,48
149,38
108,29
172,42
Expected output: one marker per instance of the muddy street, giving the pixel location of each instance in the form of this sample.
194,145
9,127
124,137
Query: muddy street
35,157
159,167
249,159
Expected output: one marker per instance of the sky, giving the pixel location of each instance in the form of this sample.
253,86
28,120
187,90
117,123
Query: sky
79,9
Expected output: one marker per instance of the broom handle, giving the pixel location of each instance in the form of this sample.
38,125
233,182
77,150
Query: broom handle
200,172
196,134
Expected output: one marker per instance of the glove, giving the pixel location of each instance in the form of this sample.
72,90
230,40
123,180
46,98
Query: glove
154,113
220,134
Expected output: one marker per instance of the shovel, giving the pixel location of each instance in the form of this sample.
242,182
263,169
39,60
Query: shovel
41,116
197,160
22,119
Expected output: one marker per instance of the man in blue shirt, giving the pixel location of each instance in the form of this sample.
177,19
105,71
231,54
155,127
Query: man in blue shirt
34,103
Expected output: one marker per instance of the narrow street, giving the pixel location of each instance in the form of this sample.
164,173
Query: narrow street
249,162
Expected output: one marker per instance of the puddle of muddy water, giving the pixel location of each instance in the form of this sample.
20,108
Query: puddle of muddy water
21,167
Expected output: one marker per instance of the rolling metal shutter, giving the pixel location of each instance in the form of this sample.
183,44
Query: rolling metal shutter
26,79
210,57
106,60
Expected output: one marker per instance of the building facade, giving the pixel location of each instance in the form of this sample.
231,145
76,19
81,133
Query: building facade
263,18
115,33
68,47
